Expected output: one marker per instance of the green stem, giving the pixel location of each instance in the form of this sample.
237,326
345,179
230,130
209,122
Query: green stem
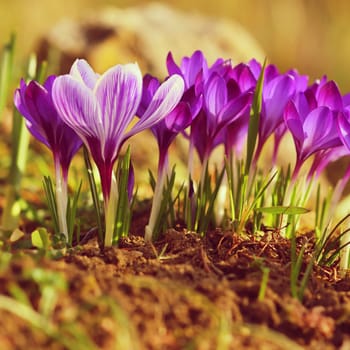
110,212
220,204
345,253
61,200
20,139
156,204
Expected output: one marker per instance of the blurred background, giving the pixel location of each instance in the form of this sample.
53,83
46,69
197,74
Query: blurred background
310,35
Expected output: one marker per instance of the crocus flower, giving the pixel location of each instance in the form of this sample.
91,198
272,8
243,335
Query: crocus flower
343,123
223,103
165,132
312,119
100,108
34,102
194,68
241,79
276,93
223,119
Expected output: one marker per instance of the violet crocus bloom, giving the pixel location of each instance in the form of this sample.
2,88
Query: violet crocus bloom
165,132
34,102
100,108
312,120
167,129
193,68
223,103
277,91
241,79
343,123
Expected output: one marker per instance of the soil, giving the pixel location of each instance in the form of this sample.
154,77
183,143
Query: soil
182,292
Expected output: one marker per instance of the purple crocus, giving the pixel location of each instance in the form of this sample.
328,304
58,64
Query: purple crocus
312,119
165,132
100,108
34,102
241,79
223,104
277,91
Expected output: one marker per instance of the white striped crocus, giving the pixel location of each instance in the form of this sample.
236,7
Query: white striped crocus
100,108
34,102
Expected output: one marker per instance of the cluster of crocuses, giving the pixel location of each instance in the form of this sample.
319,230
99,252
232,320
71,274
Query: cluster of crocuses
209,105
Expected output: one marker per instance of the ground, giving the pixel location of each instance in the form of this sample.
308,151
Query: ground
182,292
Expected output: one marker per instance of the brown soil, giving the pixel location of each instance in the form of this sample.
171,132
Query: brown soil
183,292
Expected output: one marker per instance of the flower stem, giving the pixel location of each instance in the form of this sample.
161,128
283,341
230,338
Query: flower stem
157,199
110,212
221,201
61,199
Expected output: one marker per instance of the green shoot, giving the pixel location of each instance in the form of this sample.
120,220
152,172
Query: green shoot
6,71
253,128
123,217
165,207
51,202
40,239
259,262
200,204
20,142
95,198
72,222
71,209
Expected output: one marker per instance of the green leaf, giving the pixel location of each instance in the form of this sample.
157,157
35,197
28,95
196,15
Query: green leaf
94,193
40,238
253,128
123,214
6,71
280,209
19,149
72,206
51,202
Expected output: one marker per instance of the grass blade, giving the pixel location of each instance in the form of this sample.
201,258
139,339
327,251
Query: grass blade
253,128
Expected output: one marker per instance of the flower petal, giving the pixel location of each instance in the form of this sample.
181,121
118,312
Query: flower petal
149,87
179,118
78,108
32,124
235,108
215,94
192,66
119,92
275,96
344,128
163,102
172,67
330,96
294,124
82,71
